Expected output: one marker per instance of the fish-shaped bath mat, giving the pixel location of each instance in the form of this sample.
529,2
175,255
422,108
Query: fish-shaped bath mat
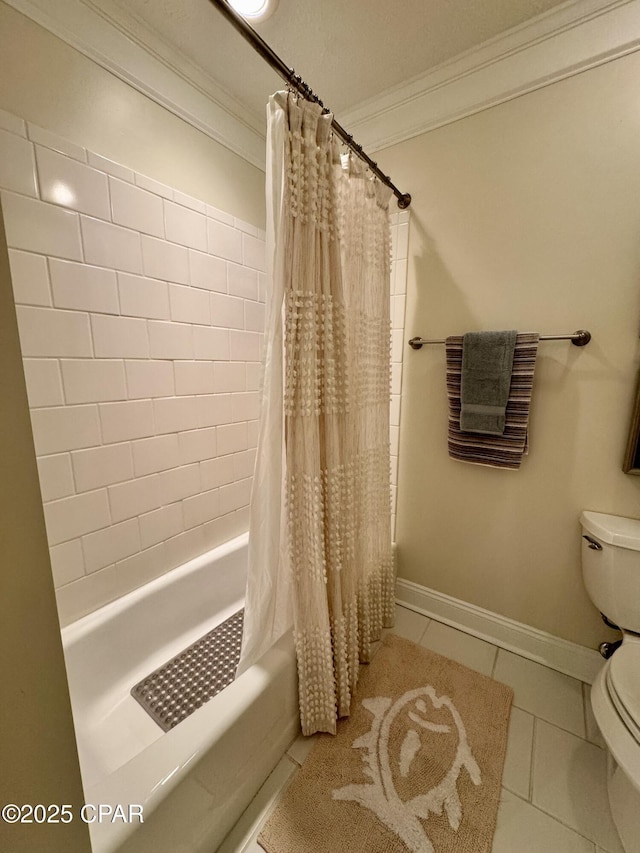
416,767
187,681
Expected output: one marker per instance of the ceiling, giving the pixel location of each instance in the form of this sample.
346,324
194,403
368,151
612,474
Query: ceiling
348,51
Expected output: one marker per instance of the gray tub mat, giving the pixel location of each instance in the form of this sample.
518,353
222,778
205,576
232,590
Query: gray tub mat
187,681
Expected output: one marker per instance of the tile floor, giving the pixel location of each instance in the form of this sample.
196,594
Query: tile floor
554,797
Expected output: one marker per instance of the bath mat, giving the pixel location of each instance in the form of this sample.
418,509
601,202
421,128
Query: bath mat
416,767
187,681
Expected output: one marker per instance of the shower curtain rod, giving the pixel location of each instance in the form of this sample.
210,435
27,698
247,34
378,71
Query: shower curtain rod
294,80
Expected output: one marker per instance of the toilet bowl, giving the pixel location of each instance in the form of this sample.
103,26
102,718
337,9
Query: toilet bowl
611,571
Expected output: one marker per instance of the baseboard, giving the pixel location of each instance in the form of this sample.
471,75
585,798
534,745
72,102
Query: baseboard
570,658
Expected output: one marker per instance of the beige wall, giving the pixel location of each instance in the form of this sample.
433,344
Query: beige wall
524,216
46,81
37,743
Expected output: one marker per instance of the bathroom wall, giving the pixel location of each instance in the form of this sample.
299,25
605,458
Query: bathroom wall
524,216
140,311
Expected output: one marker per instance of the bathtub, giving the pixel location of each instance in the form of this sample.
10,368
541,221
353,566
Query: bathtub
194,781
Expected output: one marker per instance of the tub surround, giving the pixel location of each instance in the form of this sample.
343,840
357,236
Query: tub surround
140,312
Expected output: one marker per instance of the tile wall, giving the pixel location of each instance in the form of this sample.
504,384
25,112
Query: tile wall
140,313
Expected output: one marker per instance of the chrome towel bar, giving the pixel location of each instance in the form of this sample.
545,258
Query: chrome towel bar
579,339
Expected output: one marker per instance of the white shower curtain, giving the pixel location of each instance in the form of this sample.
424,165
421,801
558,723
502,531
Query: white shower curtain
320,536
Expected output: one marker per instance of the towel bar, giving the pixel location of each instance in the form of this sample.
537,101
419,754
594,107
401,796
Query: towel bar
579,339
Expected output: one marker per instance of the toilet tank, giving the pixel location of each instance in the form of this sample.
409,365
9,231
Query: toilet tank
611,566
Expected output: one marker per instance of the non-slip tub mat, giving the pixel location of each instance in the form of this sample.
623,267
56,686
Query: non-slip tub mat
187,681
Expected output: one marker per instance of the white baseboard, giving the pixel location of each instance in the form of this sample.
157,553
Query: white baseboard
570,658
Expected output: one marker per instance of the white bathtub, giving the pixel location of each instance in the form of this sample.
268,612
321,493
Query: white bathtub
194,781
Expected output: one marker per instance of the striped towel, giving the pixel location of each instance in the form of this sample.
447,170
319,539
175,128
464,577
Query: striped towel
498,451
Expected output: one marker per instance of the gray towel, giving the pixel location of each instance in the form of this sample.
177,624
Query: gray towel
487,361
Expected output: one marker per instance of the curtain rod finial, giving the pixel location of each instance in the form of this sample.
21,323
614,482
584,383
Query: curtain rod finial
404,201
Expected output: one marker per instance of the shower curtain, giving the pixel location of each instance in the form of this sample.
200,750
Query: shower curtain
320,531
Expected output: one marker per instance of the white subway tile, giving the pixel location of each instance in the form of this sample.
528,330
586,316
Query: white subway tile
44,385
112,246
161,524
242,281
153,186
165,260
254,377
223,241
394,410
194,377
263,285
217,472
396,377
39,227
56,477
110,167
207,272
227,311
102,466
17,165
11,122
71,517
159,453
174,414
179,483
149,379
253,252
47,332
234,496
66,428
143,297
397,317
245,406
394,440
244,464
83,596
125,421
136,571
201,508
110,545
93,381
245,346
223,529
30,278
71,184
83,287
400,276
119,337
185,226
210,343
67,562
254,316
196,445
253,431
231,438
246,227
57,143
189,304
134,497
136,208
170,340
229,376
214,409
219,215
189,201
184,547
397,344
402,247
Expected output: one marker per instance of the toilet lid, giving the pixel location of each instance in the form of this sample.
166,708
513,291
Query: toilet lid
623,680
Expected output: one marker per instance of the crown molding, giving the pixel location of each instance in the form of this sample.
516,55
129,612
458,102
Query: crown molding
135,53
573,38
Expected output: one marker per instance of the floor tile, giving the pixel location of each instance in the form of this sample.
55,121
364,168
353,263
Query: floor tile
470,651
246,830
569,782
523,829
516,776
543,692
408,624
593,732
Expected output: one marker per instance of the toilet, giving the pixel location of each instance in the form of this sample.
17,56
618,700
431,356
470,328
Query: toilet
611,571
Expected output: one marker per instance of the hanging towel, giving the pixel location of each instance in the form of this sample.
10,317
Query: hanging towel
487,359
498,451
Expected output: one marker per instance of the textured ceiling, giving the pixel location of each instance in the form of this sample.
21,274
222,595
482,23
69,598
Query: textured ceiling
348,51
